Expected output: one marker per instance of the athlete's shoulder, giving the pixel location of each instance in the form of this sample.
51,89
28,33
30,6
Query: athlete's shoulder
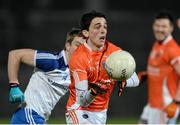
79,56
112,47
172,46
48,54
48,61
79,52
173,42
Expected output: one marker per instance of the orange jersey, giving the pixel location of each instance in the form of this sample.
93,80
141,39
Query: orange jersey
86,64
161,72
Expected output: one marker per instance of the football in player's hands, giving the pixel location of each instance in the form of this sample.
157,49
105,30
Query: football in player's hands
120,65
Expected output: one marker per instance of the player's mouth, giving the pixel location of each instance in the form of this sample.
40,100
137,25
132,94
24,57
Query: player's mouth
102,38
160,34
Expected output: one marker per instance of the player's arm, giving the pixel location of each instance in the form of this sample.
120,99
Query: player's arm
85,96
14,60
171,109
177,69
133,81
174,53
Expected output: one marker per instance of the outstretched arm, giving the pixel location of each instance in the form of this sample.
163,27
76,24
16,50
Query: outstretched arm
133,81
16,57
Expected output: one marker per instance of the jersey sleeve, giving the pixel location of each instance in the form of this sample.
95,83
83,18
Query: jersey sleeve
46,61
78,67
174,53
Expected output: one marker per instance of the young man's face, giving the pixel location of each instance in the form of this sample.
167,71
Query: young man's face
162,28
97,31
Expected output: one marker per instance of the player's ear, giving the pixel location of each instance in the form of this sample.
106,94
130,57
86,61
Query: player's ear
85,33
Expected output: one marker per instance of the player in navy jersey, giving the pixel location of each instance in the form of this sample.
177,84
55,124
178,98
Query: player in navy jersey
48,83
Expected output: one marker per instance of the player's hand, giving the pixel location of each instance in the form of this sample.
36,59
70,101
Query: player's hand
121,86
15,94
99,88
142,76
171,109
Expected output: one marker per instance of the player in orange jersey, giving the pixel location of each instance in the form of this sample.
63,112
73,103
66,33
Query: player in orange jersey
163,72
91,87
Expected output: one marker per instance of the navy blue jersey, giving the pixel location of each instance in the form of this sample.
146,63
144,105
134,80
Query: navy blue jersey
49,82
47,61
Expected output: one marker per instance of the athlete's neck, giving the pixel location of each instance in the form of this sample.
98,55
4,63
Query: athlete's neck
166,39
93,46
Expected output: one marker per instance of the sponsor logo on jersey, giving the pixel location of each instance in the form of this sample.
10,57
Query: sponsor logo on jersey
58,85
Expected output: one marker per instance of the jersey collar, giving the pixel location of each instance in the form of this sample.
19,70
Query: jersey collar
167,39
89,48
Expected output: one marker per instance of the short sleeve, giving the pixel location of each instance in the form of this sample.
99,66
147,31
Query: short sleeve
174,53
48,61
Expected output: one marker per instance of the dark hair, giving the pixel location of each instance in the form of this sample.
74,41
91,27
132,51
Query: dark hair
164,14
88,17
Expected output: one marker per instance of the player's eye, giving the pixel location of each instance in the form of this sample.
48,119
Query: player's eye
98,26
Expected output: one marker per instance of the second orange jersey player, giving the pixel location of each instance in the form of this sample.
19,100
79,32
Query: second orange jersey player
163,73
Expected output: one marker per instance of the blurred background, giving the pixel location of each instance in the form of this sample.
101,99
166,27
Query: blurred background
43,24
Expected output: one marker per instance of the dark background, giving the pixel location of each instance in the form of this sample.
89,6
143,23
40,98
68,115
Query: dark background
43,24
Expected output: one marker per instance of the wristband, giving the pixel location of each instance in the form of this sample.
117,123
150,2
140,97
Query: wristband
14,84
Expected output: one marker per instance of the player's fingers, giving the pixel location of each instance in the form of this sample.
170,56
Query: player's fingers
123,84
